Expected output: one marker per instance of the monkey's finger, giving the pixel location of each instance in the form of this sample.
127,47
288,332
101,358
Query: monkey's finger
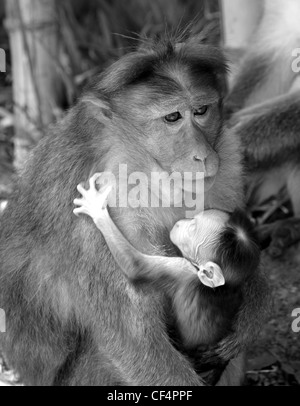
79,211
78,202
81,190
105,193
93,180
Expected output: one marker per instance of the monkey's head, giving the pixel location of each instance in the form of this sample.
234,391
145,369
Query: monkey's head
222,246
197,238
165,108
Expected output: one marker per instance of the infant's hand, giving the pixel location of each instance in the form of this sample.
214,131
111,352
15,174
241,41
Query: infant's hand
93,201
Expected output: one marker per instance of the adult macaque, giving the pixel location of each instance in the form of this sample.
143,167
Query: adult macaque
265,109
73,318
218,250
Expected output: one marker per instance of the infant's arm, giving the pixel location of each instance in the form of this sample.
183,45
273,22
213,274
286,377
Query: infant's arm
132,262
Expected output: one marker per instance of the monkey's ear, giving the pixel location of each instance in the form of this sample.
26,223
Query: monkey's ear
211,275
98,108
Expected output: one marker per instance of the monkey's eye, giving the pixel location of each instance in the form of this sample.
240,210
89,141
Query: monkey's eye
201,111
172,118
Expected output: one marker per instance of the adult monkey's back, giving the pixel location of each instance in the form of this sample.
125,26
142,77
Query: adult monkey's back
72,317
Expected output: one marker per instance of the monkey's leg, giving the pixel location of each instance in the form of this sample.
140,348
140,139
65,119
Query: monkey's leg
262,108
271,139
271,136
271,143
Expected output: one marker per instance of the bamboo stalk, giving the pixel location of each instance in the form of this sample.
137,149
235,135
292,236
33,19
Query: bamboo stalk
33,31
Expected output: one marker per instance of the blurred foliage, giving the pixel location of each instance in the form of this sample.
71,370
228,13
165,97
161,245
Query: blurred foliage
1,9
95,32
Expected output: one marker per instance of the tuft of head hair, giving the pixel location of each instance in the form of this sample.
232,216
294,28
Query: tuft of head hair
237,251
157,59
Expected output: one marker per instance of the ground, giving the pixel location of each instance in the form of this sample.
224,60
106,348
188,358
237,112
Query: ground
275,359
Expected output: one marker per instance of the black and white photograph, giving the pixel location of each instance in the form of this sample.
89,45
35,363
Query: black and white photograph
149,195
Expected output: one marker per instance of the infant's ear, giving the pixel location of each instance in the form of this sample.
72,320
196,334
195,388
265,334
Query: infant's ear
211,275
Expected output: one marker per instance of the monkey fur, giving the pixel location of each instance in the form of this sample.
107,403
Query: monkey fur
73,318
214,242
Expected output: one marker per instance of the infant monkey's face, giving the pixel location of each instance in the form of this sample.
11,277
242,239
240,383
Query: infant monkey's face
197,238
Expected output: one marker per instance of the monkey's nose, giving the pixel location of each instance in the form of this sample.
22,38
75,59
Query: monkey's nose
210,163
198,159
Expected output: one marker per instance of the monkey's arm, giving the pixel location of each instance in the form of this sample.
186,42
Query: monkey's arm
136,264
270,131
132,262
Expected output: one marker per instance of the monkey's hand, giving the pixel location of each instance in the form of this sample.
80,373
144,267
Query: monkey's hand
93,201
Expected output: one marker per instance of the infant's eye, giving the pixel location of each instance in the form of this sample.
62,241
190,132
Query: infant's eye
172,118
201,111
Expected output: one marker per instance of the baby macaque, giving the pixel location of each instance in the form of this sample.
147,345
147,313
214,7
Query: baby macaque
206,285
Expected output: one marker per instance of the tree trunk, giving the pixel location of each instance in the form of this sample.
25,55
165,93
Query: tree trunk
240,18
33,30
